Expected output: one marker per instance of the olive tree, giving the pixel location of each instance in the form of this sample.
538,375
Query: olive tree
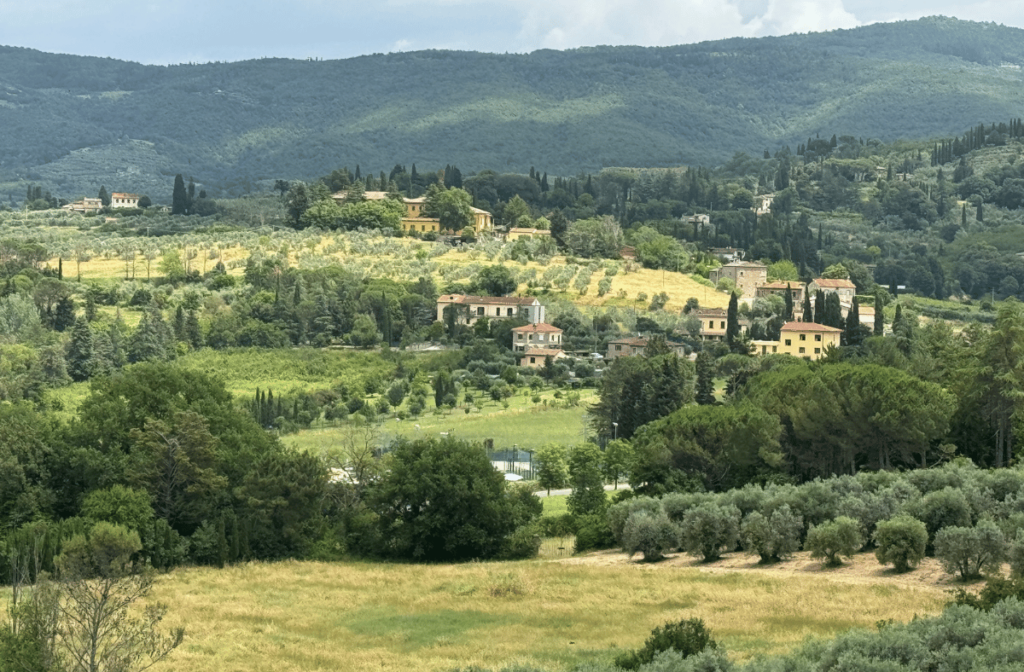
901,542
834,540
968,551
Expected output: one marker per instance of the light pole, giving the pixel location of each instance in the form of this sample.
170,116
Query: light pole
615,431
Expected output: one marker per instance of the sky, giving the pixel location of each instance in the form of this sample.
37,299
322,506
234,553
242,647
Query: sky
163,32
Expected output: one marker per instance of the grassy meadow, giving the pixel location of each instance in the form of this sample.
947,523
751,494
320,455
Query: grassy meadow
358,617
523,423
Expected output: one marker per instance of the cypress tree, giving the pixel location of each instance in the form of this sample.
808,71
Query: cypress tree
808,315
789,303
819,307
980,216
193,335
104,196
179,324
879,317
732,324
853,324
705,379
222,543
179,199
963,216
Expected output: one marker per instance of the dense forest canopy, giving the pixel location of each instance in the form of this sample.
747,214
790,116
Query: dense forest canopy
73,123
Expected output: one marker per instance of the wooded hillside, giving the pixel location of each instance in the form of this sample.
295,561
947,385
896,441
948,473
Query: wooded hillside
76,123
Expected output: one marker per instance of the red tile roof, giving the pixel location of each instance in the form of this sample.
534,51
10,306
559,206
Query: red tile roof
781,285
834,283
543,352
809,326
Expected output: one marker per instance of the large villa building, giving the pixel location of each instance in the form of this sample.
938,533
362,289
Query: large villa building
469,308
808,340
415,222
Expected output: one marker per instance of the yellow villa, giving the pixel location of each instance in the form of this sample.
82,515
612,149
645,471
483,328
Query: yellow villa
808,340
414,220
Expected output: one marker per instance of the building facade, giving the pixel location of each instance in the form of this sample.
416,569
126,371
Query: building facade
540,335
747,275
468,309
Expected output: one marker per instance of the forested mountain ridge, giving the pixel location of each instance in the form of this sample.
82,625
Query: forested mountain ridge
73,123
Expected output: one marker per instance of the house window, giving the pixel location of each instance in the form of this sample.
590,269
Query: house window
497,312
802,350
618,348
817,351
531,337
789,342
723,325
509,313
775,348
520,336
803,337
533,360
480,310
817,337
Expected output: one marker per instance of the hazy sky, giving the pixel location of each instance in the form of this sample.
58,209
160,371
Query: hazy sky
161,31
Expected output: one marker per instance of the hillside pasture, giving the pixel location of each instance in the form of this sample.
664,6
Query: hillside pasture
295,616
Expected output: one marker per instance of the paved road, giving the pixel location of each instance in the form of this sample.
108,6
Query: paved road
566,491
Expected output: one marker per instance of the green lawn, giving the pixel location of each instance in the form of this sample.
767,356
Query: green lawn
523,424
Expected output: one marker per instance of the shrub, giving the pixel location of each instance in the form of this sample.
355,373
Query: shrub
968,551
834,540
995,591
709,529
649,533
618,514
687,637
772,538
522,544
901,542
593,532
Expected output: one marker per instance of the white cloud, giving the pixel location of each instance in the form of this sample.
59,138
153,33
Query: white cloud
803,16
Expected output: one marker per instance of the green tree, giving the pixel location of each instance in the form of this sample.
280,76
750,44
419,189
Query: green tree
552,468
650,533
364,332
104,197
586,481
179,198
968,551
80,352
772,537
732,324
705,366
441,500
99,626
618,459
901,542
709,529
452,207
879,326
637,390
834,540
119,505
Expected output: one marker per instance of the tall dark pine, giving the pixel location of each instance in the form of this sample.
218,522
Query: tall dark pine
732,324
79,357
179,200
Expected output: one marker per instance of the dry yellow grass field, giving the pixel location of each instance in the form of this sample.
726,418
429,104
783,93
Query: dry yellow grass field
293,616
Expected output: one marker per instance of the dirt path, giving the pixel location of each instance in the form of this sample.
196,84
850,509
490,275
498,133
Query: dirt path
861,569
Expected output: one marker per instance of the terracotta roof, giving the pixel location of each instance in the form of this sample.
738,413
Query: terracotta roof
834,283
540,327
809,326
712,312
781,285
747,264
637,341
489,300
118,194
543,232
